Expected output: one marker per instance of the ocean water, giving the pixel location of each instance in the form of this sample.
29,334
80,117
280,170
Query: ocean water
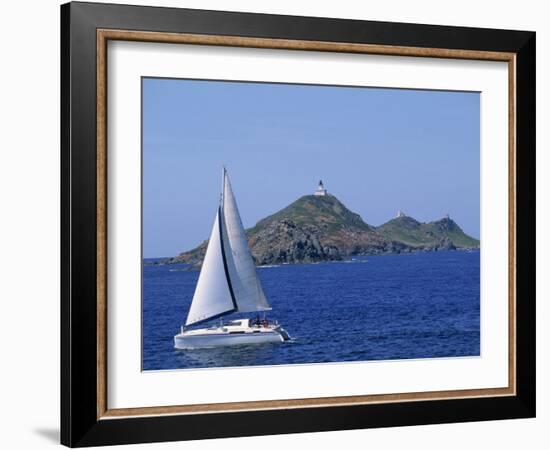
420,305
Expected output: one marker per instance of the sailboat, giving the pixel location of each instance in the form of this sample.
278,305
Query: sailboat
227,284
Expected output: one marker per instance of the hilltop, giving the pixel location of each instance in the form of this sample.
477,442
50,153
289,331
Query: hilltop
321,228
313,228
423,235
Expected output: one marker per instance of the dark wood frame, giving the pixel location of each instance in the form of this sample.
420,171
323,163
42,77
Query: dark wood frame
85,418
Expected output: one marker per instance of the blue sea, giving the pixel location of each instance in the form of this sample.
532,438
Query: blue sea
419,305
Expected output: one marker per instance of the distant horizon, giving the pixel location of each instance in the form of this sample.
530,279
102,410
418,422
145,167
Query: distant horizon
377,150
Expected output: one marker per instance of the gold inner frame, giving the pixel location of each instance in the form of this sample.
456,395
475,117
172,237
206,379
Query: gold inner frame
104,35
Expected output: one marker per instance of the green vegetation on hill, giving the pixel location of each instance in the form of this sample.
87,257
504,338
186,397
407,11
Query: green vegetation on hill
321,228
324,211
416,234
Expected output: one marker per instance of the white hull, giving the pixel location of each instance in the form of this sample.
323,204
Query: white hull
182,341
229,335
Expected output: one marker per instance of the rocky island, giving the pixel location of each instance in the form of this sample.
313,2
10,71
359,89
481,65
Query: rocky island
319,227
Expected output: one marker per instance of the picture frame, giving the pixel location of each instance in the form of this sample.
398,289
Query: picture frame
86,418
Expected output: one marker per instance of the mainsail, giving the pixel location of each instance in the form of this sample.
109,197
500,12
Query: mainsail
242,270
228,281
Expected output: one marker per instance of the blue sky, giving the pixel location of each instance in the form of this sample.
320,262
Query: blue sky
377,150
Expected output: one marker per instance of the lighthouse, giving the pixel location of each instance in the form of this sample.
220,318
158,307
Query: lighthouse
320,189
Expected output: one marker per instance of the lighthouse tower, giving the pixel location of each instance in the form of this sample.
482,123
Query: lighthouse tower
320,189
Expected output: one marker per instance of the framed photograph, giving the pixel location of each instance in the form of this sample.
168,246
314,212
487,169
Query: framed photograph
277,224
